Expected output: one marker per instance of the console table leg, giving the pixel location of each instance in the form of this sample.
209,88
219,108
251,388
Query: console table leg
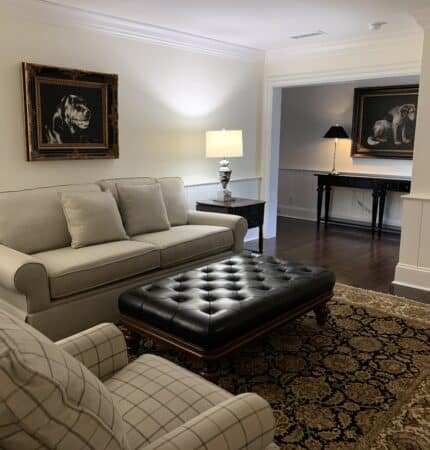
322,312
320,191
260,239
383,195
327,203
375,195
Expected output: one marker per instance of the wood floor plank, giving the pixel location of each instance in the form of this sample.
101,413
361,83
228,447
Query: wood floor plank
356,258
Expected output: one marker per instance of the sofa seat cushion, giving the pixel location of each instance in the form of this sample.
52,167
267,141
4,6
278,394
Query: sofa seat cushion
71,271
188,242
155,396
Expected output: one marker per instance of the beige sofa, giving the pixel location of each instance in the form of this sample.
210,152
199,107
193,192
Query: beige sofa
60,290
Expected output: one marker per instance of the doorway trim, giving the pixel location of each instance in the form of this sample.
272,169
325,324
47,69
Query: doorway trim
272,103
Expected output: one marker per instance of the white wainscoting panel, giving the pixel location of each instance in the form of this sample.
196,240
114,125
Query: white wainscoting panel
245,187
297,197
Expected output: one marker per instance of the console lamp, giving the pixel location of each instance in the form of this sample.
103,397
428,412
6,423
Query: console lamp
336,132
224,144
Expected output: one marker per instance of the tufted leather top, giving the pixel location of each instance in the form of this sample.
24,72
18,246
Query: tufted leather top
211,305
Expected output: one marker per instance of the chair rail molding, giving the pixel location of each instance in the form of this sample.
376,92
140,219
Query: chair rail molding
272,98
54,12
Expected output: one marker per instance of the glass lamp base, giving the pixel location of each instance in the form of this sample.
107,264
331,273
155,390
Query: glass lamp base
224,195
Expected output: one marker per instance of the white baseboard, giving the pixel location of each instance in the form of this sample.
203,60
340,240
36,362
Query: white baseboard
412,277
309,214
251,235
297,212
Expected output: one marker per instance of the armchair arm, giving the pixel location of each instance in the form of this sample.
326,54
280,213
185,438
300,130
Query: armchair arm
26,275
101,349
238,224
242,422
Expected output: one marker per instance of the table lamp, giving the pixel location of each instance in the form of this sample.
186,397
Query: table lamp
335,132
224,144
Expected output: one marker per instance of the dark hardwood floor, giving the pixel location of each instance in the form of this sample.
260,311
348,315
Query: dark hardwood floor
352,254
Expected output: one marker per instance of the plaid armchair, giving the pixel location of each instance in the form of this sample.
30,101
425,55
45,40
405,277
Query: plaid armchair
82,393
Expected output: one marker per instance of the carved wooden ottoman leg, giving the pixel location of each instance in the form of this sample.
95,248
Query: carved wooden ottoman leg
209,370
133,341
322,312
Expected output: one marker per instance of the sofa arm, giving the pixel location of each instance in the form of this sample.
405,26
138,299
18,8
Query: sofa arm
26,275
238,224
101,349
241,422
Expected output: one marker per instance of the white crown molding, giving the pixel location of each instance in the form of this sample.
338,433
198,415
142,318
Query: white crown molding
422,16
343,75
52,12
379,42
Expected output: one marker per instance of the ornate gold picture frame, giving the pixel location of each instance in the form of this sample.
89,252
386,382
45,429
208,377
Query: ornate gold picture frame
384,122
70,114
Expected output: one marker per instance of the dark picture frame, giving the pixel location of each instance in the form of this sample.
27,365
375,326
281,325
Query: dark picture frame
384,122
69,113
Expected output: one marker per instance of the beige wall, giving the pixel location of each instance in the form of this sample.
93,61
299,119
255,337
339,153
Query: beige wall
167,99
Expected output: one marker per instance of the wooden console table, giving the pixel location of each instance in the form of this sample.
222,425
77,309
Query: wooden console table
378,185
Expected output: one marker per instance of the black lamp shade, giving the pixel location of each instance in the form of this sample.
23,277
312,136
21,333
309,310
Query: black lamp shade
336,131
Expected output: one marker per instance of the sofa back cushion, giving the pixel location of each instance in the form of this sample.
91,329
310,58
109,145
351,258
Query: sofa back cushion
143,209
33,220
175,200
111,185
48,399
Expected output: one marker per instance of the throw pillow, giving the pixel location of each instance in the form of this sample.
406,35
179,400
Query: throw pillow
48,399
142,207
92,218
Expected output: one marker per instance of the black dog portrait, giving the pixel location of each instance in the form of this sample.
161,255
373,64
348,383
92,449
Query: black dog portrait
384,121
70,114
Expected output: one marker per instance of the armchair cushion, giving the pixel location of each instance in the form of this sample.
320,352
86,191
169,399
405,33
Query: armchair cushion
155,396
48,399
242,422
188,242
101,349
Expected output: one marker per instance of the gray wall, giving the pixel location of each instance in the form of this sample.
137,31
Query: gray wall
307,113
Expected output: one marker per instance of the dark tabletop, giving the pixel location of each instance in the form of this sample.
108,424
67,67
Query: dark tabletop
237,203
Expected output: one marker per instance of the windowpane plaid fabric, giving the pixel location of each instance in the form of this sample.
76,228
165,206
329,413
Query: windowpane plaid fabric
101,349
155,396
242,422
48,399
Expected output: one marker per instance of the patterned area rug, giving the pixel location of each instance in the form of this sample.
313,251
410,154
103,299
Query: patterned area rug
360,382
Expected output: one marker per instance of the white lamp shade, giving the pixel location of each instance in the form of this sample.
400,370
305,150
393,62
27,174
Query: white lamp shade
224,144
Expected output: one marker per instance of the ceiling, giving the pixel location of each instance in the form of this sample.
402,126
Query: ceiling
264,24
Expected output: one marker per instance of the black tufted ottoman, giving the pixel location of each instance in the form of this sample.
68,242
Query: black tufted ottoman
213,310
